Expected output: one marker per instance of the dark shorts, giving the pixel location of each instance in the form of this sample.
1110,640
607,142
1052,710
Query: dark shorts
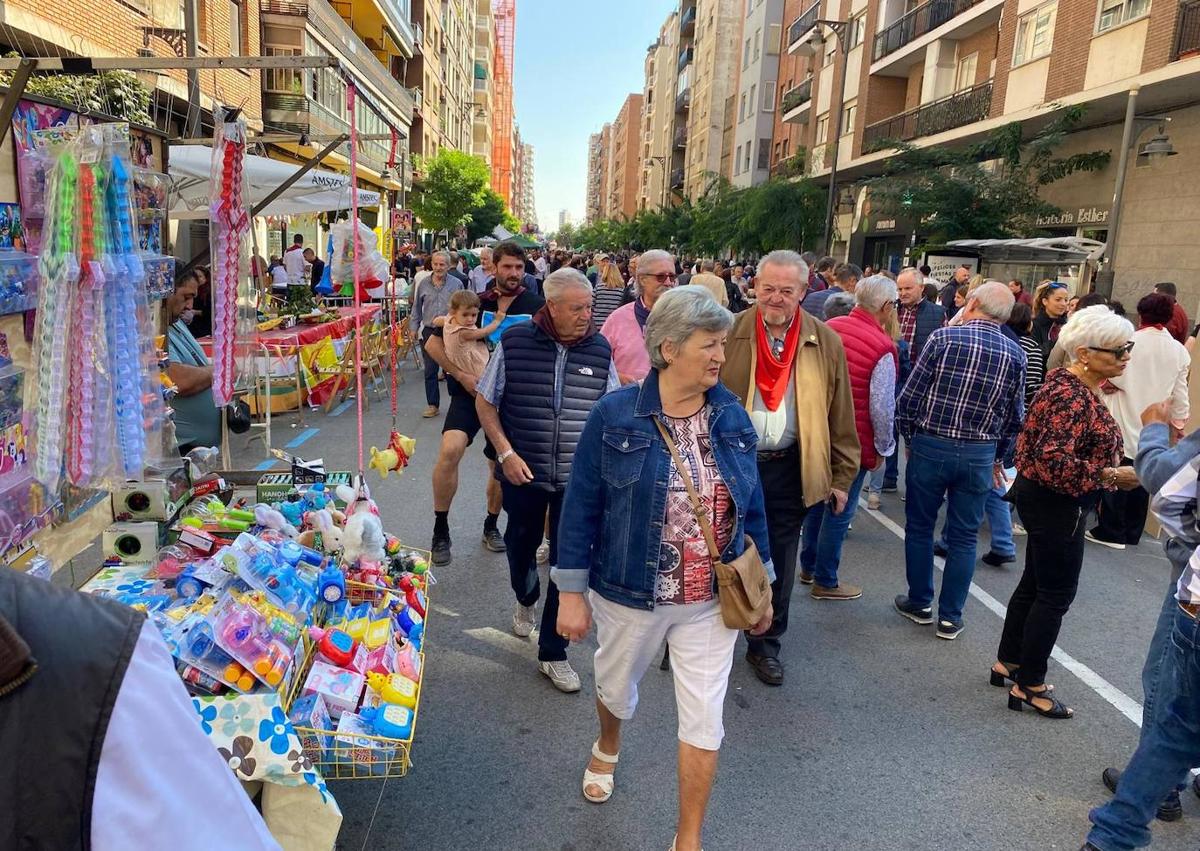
461,416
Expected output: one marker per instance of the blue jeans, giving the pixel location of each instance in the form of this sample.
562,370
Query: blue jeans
961,472
433,395
999,518
824,533
1169,744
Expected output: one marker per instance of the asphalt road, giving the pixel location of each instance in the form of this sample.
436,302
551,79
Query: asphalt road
883,737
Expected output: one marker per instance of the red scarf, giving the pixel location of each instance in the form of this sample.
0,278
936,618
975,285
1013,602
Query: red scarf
771,374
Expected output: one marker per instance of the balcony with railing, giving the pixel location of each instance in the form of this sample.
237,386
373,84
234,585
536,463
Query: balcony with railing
1187,30
683,100
685,57
961,108
798,32
397,17
927,17
796,102
687,21
677,179
680,140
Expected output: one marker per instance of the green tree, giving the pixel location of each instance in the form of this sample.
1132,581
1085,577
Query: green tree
781,213
452,186
486,215
985,190
116,93
565,236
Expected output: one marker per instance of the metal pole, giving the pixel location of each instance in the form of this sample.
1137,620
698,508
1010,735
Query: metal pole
13,96
839,88
1104,278
191,125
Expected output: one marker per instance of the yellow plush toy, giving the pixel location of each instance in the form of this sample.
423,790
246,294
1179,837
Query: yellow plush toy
395,457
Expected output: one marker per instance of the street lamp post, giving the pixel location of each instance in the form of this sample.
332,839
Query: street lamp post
662,163
840,29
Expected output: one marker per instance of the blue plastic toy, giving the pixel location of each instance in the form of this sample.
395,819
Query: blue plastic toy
331,584
389,720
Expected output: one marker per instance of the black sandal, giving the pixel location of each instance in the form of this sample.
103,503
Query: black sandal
998,680
1056,710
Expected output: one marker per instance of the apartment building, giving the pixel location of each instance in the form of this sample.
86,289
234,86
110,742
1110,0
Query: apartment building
758,75
949,71
482,84
525,203
625,159
707,77
504,16
662,146
599,153
443,72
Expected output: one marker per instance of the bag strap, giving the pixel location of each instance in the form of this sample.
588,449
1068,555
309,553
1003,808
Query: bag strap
697,505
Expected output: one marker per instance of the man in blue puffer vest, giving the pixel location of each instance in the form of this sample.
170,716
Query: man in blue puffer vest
533,401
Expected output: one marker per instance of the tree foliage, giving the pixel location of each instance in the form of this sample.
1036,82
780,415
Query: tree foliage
489,213
117,93
780,213
985,190
453,185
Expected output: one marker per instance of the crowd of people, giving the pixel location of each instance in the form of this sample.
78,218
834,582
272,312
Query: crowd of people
646,417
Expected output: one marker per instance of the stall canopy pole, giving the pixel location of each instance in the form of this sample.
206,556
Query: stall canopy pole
280,189
357,251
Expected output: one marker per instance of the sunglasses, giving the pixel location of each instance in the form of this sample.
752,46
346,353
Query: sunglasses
661,277
1116,353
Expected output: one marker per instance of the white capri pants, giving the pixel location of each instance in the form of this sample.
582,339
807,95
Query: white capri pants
701,658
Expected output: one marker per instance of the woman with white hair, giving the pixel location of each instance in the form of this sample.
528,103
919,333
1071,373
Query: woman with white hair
633,556
1067,454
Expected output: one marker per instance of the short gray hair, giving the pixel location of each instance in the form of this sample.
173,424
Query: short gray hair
1093,326
914,271
445,254
707,265
561,280
783,257
654,255
679,313
838,304
995,299
874,292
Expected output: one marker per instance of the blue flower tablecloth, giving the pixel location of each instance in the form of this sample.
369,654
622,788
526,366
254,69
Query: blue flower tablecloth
253,735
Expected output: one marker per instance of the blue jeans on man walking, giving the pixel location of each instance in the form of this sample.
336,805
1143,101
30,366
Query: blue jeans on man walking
1170,740
823,536
999,518
961,472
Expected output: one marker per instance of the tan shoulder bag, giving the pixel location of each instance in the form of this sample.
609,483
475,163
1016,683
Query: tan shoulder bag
742,585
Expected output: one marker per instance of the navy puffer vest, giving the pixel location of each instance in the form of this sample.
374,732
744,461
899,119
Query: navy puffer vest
548,394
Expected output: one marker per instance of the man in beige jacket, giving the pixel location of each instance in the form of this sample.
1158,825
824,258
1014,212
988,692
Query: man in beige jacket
789,370
712,282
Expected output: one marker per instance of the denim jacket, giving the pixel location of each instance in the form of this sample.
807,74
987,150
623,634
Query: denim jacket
610,532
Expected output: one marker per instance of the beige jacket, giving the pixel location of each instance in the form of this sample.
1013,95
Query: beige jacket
714,285
829,448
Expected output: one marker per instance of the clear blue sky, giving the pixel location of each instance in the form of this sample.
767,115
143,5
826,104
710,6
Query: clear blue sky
576,62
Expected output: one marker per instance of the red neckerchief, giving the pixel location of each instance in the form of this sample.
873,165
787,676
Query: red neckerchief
771,374
1157,325
494,295
542,320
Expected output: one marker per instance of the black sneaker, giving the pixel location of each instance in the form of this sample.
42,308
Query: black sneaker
1171,808
888,488
997,560
440,549
949,630
493,541
939,550
916,614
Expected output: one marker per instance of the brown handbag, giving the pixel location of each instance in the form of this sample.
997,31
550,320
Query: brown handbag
743,588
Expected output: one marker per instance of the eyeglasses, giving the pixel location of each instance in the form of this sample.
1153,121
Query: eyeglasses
1123,351
661,277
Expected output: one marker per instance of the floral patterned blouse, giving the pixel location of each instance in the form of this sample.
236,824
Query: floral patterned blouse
1068,437
685,570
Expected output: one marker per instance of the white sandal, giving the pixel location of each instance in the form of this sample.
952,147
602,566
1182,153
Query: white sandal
604,781
672,848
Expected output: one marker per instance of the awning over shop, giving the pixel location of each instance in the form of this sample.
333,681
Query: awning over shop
1067,249
315,192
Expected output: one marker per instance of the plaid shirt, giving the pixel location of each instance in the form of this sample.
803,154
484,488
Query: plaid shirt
968,384
907,314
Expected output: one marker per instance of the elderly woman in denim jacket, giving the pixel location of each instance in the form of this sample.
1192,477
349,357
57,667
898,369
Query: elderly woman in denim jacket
631,552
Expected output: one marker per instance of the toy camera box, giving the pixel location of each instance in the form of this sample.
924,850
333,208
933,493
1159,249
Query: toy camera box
352,746
310,711
340,688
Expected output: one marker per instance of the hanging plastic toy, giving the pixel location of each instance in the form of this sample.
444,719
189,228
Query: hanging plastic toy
230,225
395,457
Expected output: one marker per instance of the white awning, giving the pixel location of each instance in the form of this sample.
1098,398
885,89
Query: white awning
317,191
1061,249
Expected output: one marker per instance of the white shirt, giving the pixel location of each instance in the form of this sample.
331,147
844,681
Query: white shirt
1157,370
776,429
540,265
280,276
294,262
160,781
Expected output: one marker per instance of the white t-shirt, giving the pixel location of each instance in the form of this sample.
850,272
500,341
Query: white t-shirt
294,262
279,276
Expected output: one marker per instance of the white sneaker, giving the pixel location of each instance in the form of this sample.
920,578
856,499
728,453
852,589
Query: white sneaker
873,501
561,674
543,552
1018,529
1112,545
524,619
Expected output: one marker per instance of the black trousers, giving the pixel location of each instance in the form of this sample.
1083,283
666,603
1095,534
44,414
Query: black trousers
1122,514
526,507
1053,560
784,497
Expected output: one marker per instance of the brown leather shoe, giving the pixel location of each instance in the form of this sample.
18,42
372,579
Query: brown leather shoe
430,411
806,578
767,668
843,591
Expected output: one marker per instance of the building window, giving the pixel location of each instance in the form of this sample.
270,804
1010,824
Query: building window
964,75
753,92
235,28
778,148
737,161
746,56
848,115
746,161
1035,32
1113,13
858,31
764,153
822,129
742,109
768,104
830,49
757,44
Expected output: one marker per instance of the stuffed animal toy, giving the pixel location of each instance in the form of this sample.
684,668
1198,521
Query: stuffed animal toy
363,539
395,457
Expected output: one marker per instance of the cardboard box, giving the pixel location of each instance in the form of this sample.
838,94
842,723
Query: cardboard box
311,712
369,755
341,689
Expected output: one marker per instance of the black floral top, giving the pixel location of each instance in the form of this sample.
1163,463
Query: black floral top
1068,437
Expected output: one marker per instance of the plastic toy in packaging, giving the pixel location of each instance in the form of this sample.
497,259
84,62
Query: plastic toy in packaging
310,714
389,720
352,745
254,640
340,688
394,688
334,645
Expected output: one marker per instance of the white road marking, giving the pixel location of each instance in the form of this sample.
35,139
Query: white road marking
1124,704
503,640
